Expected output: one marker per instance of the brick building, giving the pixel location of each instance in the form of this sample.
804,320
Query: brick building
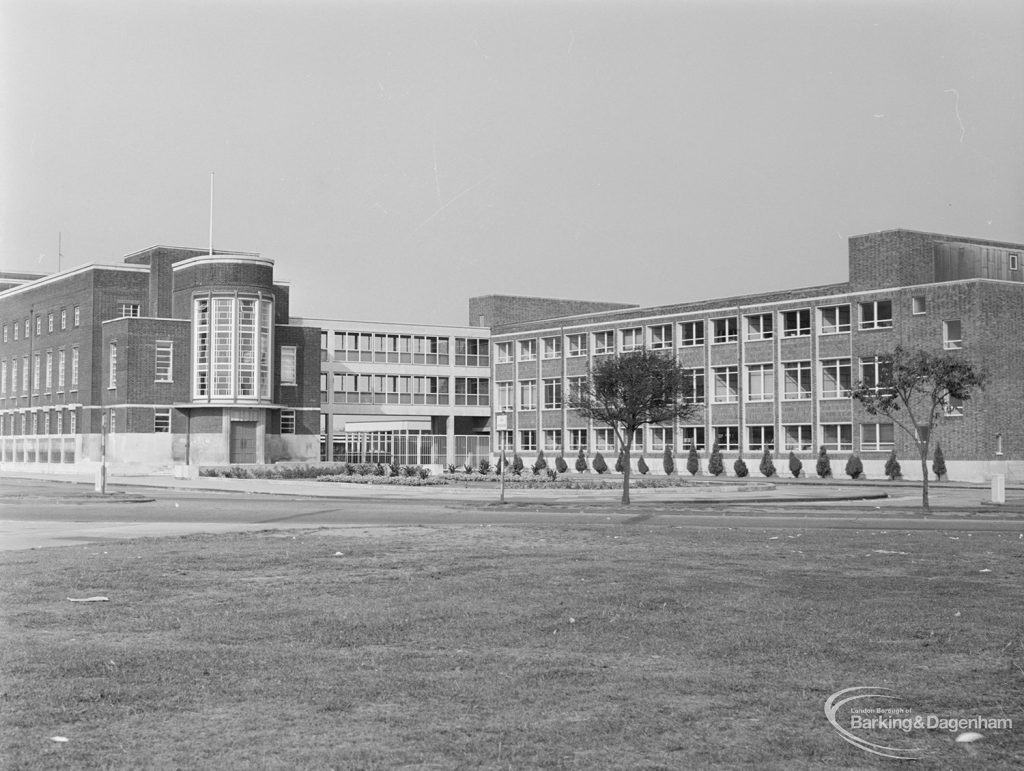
176,356
774,371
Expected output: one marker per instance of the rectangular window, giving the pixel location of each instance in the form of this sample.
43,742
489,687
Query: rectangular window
761,438
604,343
577,386
77,316
528,394
552,440
834,319
695,379
287,421
505,396
112,367
760,326
472,391
691,333
604,440
503,353
551,347
553,393
632,339
17,327
288,359
528,440
874,371
61,364
694,437
876,437
725,330
836,378
74,368
162,420
661,437
36,365
952,335
661,337
876,314
49,323
727,384
577,345
503,440
953,407
796,323
24,374
3,377
919,305
528,350
63,318
728,437
164,361
797,376
469,351
129,310
49,371
798,438
5,333
577,439
760,383
1014,261
73,422
39,326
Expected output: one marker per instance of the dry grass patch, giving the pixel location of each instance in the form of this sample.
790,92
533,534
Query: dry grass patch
504,647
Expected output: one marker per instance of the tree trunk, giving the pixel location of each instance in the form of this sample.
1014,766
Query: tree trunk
922,449
625,475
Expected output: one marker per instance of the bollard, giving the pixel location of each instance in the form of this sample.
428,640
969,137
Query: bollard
998,488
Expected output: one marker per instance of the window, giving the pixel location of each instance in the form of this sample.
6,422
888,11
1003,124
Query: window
503,440
469,351
552,439
505,397
112,367
577,345
796,323
288,353
162,420
875,370
73,422
661,337
39,326
164,359
632,339
553,393
797,376
129,310
836,378
661,437
5,333
577,386
761,438
503,353
604,439
63,318
528,394
725,330
694,436
728,437
552,347
24,374
604,343
876,314
1014,261
691,333
232,352
953,407
695,379
3,377
528,350
638,440
74,368
797,438
528,440
287,421
577,439
61,364
952,335
760,383
760,327
49,371
876,436
16,328
49,323
77,316
14,376
112,422
727,384
919,306
834,319
837,436
472,391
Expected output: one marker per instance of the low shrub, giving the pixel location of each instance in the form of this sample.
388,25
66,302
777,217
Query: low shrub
642,467
892,467
715,465
517,464
581,461
740,467
668,462
620,462
823,467
796,466
541,463
693,462
854,467
938,462
600,466
560,465
485,466
767,466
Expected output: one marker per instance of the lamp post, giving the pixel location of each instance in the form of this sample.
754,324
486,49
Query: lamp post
501,425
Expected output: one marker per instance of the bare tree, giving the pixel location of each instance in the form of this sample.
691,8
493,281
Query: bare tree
914,389
630,391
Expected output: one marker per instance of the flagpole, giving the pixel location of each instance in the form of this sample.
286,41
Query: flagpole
211,213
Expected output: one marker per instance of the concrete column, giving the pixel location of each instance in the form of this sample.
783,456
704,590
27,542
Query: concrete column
449,432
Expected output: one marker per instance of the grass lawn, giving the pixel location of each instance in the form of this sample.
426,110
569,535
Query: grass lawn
600,647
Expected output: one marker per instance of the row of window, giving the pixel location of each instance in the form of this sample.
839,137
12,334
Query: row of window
761,326
405,389
53,318
48,369
406,349
874,437
58,422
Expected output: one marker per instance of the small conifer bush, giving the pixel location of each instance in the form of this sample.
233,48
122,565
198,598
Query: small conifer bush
599,463
767,466
541,463
668,462
581,461
517,464
715,465
854,467
641,466
795,465
560,465
824,465
939,463
693,461
740,467
892,466
620,462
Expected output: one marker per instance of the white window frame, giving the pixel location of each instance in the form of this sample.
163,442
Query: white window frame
662,337
796,323
876,321
731,434
871,437
289,365
697,378
801,369
919,305
692,333
503,353
527,394
112,365
551,347
802,442
577,439
162,420
576,345
287,421
528,439
832,370
949,341
727,394
834,325
164,370
662,437
760,382
552,440
724,332
631,339
604,342
504,396
552,393
693,436
604,440
528,349
760,437
759,326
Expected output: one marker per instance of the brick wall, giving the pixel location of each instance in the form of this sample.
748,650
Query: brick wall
499,310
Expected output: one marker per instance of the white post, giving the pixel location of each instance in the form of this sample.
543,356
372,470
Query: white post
998,488
101,474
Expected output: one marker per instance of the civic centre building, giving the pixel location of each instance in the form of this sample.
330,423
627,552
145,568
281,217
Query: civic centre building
182,357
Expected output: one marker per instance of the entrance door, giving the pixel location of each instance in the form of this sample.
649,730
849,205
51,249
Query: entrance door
243,442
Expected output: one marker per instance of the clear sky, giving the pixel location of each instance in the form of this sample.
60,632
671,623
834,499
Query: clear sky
395,158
